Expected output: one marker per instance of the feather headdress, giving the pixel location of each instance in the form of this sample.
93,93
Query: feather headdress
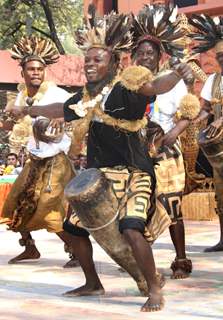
111,31
34,48
208,32
159,24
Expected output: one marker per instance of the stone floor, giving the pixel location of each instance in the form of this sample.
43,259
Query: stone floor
33,290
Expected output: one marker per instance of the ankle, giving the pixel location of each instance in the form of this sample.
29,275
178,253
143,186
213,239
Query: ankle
181,256
154,289
27,242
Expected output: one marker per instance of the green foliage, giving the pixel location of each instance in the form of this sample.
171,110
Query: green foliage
25,17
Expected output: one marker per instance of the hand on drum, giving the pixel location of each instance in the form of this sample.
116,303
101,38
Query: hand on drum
56,127
214,128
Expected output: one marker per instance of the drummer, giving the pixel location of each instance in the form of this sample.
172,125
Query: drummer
36,198
101,104
211,94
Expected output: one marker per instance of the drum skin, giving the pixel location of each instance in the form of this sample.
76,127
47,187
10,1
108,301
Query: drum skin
91,196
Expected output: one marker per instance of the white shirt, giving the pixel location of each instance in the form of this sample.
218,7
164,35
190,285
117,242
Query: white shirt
207,88
166,105
52,95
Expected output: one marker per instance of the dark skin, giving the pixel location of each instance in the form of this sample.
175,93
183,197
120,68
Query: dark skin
97,68
211,131
148,55
33,73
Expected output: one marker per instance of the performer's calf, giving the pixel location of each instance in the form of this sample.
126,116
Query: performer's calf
82,249
142,252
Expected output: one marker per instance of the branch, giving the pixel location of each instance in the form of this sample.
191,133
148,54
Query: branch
49,17
16,28
21,23
42,32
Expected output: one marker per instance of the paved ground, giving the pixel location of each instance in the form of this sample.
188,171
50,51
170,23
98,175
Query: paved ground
33,291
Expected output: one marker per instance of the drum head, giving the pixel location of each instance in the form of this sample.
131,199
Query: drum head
86,180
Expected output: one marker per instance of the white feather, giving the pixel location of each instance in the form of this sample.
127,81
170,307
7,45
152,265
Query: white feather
216,20
173,16
157,17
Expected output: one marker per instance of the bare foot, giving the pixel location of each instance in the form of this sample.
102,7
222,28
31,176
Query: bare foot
180,274
72,263
30,253
86,290
155,302
182,267
216,248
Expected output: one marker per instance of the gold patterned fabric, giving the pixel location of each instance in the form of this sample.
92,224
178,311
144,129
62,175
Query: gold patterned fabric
38,192
217,110
133,190
170,177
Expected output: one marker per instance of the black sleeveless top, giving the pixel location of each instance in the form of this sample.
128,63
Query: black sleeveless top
108,146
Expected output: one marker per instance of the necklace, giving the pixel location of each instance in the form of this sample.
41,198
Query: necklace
37,97
81,108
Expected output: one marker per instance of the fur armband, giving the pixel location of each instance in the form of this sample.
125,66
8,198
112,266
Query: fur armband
189,107
134,77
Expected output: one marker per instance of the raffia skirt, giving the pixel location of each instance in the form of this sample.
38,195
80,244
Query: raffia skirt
36,200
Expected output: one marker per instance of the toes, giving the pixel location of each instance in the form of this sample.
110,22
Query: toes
152,308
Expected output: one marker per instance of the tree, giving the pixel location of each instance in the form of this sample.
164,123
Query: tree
54,19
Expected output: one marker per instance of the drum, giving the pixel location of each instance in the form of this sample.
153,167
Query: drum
213,149
91,196
41,131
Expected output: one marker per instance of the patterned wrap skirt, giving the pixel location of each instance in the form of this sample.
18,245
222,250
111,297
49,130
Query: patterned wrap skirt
36,200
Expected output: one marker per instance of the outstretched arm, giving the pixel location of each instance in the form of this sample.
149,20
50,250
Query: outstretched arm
51,111
167,82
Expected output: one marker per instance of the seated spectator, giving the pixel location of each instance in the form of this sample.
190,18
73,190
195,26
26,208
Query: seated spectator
22,157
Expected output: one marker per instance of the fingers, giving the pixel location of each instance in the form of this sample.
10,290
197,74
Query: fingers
185,71
55,127
211,132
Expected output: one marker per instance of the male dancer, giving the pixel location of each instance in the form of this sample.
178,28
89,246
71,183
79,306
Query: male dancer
36,199
209,34
169,168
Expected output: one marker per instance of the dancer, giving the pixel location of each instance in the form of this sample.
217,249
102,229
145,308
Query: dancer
36,199
111,148
150,44
208,33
